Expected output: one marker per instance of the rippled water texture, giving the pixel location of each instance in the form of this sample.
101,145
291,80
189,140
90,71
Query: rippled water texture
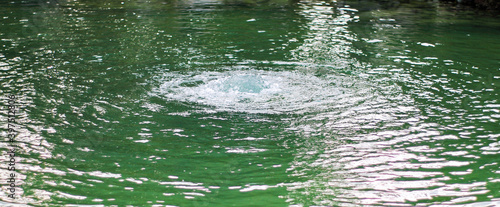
265,92
227,103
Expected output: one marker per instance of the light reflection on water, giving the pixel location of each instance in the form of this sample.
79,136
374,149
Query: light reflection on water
264,92
208,106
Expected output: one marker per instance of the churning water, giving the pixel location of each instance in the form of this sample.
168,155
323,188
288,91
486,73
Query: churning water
254,91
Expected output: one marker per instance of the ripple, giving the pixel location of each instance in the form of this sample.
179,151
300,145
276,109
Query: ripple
256,91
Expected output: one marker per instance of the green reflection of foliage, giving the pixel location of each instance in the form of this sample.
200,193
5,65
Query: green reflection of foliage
163,4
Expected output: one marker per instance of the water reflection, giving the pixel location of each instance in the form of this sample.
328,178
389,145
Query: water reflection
392,148
209,104
329,39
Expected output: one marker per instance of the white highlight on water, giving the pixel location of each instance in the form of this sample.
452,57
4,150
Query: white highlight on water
255,91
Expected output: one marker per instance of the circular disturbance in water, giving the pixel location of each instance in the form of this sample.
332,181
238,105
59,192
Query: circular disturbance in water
254,91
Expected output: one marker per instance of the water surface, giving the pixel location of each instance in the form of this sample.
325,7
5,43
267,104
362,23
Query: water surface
205,103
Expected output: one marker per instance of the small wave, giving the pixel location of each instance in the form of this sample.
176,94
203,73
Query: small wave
254,91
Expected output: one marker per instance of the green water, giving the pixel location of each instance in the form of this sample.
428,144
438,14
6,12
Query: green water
208,103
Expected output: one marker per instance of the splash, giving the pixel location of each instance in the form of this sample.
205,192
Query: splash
255,91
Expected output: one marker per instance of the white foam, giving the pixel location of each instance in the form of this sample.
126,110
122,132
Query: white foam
254,91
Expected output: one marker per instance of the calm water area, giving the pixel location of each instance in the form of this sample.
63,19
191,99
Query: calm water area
213,103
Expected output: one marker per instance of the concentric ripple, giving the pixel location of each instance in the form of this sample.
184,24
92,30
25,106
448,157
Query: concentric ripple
255,91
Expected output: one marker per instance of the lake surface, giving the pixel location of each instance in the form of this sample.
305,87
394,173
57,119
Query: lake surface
206,103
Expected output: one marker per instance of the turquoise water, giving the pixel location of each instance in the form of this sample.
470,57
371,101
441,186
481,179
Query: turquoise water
208,103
